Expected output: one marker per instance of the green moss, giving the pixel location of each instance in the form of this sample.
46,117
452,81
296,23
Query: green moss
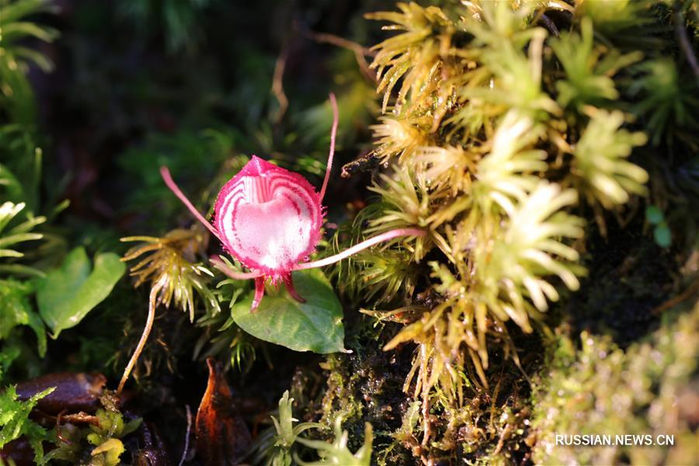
340,398
366,386
489,426
508,129
647,389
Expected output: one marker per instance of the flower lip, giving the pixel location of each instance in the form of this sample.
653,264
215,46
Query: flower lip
268,218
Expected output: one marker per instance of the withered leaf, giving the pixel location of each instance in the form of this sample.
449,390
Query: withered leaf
221,435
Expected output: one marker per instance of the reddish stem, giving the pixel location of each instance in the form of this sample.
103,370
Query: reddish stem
333,134
175,189
361,246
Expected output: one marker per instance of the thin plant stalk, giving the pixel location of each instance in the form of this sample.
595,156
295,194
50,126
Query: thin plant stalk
331,155
152,304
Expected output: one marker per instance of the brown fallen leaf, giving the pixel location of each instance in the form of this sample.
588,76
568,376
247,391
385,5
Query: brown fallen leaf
221,435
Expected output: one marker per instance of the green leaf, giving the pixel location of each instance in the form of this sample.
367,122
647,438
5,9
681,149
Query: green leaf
15,422
315,325
662,235
7,356
654,214
337,452
16,309
68,293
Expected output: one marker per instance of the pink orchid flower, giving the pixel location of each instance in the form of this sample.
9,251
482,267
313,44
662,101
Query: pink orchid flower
270,220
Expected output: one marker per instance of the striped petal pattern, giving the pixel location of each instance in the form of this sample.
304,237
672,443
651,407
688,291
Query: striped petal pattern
268,218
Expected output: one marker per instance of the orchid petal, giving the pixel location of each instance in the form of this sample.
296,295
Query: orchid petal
259,293
289,283
269,218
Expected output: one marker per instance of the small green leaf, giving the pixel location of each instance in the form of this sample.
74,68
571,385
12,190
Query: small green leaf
662,235
7,356
68,293
654,214
15,422
315,325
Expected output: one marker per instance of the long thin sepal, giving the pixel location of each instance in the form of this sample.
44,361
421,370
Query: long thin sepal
234,274
165,173
259,293
389,235
289,283
333,135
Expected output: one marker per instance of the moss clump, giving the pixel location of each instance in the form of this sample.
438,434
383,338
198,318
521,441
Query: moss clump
648,389
366,386
513,130
491,426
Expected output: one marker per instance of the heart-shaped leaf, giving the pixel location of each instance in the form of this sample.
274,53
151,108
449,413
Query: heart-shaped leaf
68,293
315,325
